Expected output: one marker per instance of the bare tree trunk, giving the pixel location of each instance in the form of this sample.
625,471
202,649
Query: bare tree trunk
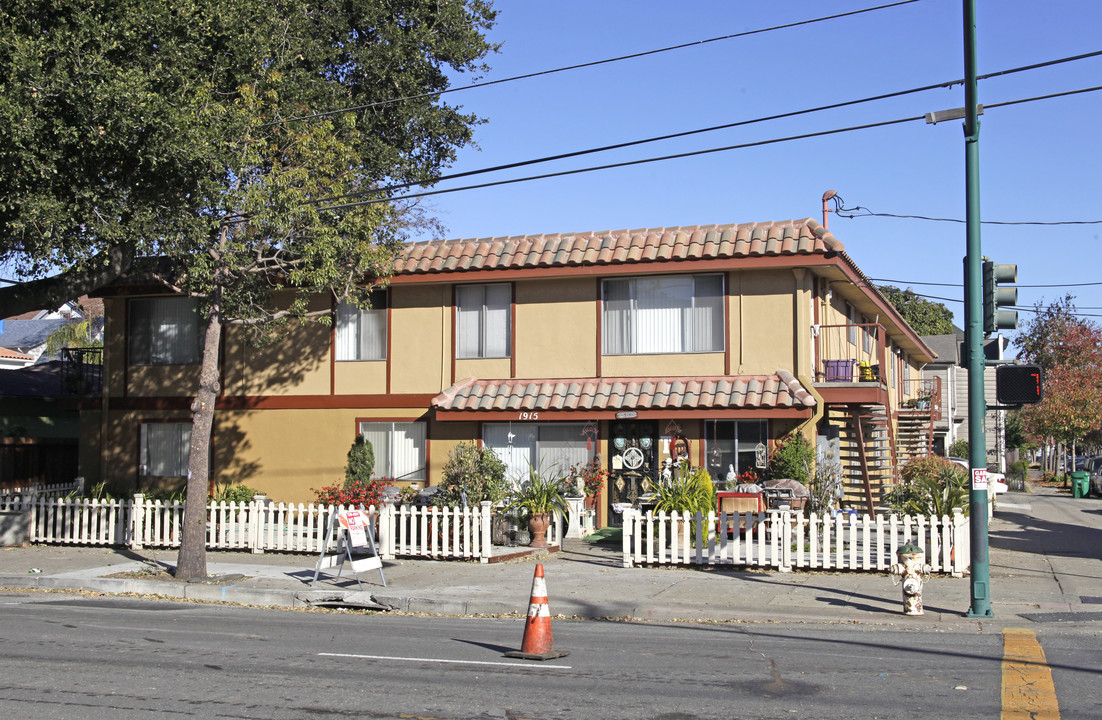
192,559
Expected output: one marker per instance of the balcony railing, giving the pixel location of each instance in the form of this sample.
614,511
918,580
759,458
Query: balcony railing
81,371
850,353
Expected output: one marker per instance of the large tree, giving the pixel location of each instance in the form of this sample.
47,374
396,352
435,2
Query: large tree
924,316
173,129
1069,348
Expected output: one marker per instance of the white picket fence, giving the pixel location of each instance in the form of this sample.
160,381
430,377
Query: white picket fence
785,540
261,525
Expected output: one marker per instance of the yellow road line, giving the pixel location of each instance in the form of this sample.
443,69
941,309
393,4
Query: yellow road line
1028,692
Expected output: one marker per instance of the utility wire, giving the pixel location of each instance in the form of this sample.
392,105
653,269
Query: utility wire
693,153
628,163
644,53
779,116
1055,285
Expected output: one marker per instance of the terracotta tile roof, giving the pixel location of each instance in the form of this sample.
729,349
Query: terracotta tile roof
14,354
780,390
789,237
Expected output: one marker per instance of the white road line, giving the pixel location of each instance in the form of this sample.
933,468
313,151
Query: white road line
439,660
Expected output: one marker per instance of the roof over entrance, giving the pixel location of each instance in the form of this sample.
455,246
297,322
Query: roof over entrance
777,395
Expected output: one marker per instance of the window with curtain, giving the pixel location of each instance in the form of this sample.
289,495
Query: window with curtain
361,333
482,326
551,447
663,314
163,331
732,443
399,449
165,447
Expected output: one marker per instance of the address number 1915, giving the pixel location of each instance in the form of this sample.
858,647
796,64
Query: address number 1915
528,416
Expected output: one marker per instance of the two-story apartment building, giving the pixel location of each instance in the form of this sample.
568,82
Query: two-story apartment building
550,349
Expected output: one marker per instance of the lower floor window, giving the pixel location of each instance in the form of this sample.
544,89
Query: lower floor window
164,449
399,449
735,445
551,447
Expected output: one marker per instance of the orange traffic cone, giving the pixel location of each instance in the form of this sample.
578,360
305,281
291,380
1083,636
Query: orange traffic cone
538,643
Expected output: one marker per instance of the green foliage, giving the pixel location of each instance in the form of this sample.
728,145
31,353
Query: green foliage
794,458
689,490
138,128
472,474
360,466
1019,470
543,491
924,316
931,485
73,334
959,449
235,493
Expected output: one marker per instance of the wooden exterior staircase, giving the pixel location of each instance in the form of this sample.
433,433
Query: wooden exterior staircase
867,453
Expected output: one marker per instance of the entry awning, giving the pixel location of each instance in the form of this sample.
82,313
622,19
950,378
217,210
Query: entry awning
747,396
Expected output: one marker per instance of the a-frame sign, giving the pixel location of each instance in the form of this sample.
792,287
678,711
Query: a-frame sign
352,531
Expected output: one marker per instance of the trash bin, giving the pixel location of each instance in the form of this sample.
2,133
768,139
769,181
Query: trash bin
1080,483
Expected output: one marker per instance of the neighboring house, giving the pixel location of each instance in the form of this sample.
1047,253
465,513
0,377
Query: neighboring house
952,378
549,349
23,337
25,340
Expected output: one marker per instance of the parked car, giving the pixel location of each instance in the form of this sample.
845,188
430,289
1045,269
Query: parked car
1094,467
996,482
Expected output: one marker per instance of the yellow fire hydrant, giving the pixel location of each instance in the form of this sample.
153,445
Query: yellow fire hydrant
913,571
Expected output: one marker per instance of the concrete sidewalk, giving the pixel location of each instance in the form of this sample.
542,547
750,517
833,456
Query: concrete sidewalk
1045,567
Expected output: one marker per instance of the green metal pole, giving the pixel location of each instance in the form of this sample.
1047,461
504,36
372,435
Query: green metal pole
973,327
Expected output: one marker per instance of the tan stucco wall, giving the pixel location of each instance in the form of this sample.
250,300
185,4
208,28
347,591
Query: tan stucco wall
762,321
420,332
680,364
359,377
556,328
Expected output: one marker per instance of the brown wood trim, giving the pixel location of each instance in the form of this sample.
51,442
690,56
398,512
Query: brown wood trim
513,331
39,441
649,267
727,323
389,336
582,415
454,315
600,303
282,402
333,347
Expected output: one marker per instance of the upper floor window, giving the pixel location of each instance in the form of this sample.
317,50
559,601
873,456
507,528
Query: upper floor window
163,331
663,314
482,325
361,333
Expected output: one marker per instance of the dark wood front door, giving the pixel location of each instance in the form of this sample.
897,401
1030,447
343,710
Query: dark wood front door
632,462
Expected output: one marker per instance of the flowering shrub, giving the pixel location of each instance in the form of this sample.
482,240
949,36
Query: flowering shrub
749,477
352,492
593,477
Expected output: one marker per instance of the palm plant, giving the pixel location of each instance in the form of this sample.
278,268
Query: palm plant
689,490
543,491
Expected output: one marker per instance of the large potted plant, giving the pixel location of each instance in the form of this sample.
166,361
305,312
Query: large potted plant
538,496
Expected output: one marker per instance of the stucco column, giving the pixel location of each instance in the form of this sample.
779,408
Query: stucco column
802,297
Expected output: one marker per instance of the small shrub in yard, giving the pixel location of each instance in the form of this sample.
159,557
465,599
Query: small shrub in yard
360,486
235,493
793,458
931,485
471,474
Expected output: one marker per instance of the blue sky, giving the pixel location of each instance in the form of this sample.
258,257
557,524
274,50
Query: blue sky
1040,161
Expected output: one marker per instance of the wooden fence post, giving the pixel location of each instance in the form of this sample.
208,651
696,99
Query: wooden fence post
137,515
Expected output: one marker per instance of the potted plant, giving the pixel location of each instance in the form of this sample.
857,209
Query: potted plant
539,495
592,479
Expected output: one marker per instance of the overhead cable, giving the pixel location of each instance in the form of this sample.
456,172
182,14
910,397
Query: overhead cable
593,63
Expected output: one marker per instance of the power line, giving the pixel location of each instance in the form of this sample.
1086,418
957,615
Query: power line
795,113
676,156
631,56
915,282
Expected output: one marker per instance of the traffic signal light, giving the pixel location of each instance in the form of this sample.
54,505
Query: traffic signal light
1018,384
995,297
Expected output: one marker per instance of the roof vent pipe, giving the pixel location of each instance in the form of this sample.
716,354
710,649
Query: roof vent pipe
827,196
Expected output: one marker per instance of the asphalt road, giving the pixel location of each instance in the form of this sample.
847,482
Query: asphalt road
65,656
